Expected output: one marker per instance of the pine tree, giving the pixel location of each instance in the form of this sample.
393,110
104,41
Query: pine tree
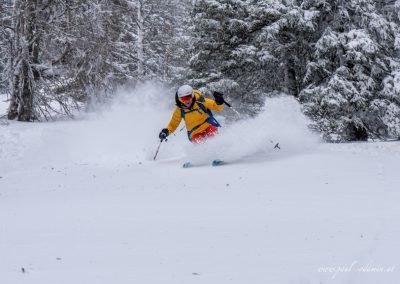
159,35
349,94
224,58
340,58
252,48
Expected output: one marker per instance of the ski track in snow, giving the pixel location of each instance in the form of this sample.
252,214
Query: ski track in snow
83,202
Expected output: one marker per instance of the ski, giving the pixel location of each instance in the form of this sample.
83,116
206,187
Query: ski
186,165
216,163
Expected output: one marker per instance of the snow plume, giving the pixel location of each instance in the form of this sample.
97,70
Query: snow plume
281,122
126,131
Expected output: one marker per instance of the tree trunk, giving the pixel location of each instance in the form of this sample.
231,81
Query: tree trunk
27,52
290,78
140,36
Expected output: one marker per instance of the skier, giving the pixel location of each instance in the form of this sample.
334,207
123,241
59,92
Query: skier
195,110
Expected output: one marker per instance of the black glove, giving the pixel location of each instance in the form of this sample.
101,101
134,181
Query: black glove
163,134
219,98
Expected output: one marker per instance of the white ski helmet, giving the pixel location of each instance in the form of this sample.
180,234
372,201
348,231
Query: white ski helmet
184,91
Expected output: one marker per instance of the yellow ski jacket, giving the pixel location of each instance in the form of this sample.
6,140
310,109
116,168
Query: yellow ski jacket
195,118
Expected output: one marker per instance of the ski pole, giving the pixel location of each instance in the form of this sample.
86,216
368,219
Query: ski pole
232,108
158,148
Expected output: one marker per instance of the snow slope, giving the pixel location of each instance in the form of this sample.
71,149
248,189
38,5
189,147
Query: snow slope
3,104
83,202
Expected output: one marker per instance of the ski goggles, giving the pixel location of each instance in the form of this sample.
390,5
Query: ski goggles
186,99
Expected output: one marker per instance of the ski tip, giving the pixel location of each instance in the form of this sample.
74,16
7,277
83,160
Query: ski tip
186,165
217,163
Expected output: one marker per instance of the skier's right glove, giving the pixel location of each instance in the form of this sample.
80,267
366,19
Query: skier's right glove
163,134
219,98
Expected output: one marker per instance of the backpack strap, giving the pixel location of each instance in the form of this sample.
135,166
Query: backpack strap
211,119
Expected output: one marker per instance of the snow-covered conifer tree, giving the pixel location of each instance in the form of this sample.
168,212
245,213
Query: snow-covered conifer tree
351,89
257,47
224,56
339,57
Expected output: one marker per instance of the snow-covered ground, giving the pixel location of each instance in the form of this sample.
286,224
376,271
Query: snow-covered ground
3,104
83,202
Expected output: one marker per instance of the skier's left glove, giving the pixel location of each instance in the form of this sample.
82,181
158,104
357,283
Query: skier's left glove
219,98
163,134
